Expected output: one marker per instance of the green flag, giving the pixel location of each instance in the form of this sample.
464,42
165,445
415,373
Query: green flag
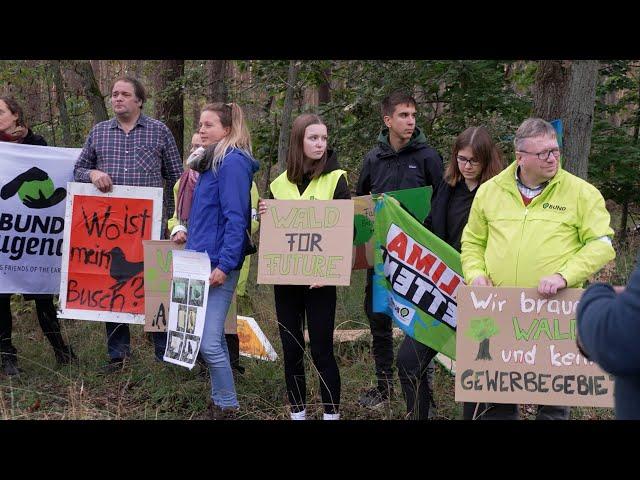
416,277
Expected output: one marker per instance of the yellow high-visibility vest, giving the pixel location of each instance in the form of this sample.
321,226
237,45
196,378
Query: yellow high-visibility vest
321,188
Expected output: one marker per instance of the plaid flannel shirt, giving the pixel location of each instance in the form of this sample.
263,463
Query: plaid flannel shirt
143,157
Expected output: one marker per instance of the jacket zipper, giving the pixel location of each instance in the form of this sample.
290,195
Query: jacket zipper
524,221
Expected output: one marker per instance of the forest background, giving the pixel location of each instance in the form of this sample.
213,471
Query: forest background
598,102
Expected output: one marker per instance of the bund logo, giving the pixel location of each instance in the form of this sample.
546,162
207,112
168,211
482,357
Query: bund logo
551,206
34,188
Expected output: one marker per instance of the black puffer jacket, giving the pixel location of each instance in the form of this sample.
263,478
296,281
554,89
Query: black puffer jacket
33,139
414,165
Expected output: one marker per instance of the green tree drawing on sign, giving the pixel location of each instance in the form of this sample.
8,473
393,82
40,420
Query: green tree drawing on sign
480,330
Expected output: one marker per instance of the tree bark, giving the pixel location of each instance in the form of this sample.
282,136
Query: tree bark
566,90
61,102
285,121
217,86
91,90
324,89
169,101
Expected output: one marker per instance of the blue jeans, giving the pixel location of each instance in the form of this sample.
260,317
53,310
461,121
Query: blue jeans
214,346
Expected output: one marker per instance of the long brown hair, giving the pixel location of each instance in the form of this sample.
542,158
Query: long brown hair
15,108
484,150
295,154
231,117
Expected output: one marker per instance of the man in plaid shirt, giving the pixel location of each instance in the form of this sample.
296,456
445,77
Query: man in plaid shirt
130,149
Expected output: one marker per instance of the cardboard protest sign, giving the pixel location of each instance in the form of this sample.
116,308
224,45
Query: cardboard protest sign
158,269
253,342
416,200
416,277
303,242
189,295
514,346
33,182
102,253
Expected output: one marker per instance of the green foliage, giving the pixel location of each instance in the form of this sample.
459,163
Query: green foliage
481,329
615,150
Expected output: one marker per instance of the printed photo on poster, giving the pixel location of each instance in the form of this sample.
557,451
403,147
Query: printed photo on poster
182,318
192,312
175,341
196,293
190,349
179,291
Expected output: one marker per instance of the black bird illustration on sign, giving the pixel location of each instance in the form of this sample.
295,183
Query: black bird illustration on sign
121,269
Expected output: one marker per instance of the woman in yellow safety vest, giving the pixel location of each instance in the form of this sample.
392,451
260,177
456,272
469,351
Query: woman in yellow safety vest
312,173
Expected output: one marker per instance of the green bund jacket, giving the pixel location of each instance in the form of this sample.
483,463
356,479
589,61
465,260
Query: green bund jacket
563,230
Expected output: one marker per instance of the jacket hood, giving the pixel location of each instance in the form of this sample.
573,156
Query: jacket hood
332,161
255,166
417,139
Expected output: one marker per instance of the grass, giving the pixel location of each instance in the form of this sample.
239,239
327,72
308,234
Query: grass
152,390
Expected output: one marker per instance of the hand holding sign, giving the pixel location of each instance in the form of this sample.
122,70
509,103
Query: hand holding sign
217,277
101,180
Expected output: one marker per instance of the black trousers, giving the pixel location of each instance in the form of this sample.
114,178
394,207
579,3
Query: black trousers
382,332
47,317
293,302
413,361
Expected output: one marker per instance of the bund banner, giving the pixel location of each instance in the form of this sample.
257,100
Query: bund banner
33,182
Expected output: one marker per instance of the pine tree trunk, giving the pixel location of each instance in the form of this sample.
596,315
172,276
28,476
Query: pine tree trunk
169,104
324,89
217,74
566,90
285,122
61,102
91,90
622,233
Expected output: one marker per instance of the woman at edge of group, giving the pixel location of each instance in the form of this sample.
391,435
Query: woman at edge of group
218,222
13,128
312,172
474,160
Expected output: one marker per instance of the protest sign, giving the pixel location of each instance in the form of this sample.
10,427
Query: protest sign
514,346
33,182
416,200
102,251
253,342
158,269
416,277
189,295
303,242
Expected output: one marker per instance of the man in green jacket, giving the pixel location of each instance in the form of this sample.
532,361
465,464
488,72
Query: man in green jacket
535,225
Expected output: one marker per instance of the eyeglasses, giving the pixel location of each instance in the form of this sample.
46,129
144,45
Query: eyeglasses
544,155
463,160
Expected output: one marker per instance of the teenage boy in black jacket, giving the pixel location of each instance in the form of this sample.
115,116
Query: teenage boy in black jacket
402,159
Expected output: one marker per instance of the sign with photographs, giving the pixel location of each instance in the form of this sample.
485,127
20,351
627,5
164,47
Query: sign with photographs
513,346
189,293
102,253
